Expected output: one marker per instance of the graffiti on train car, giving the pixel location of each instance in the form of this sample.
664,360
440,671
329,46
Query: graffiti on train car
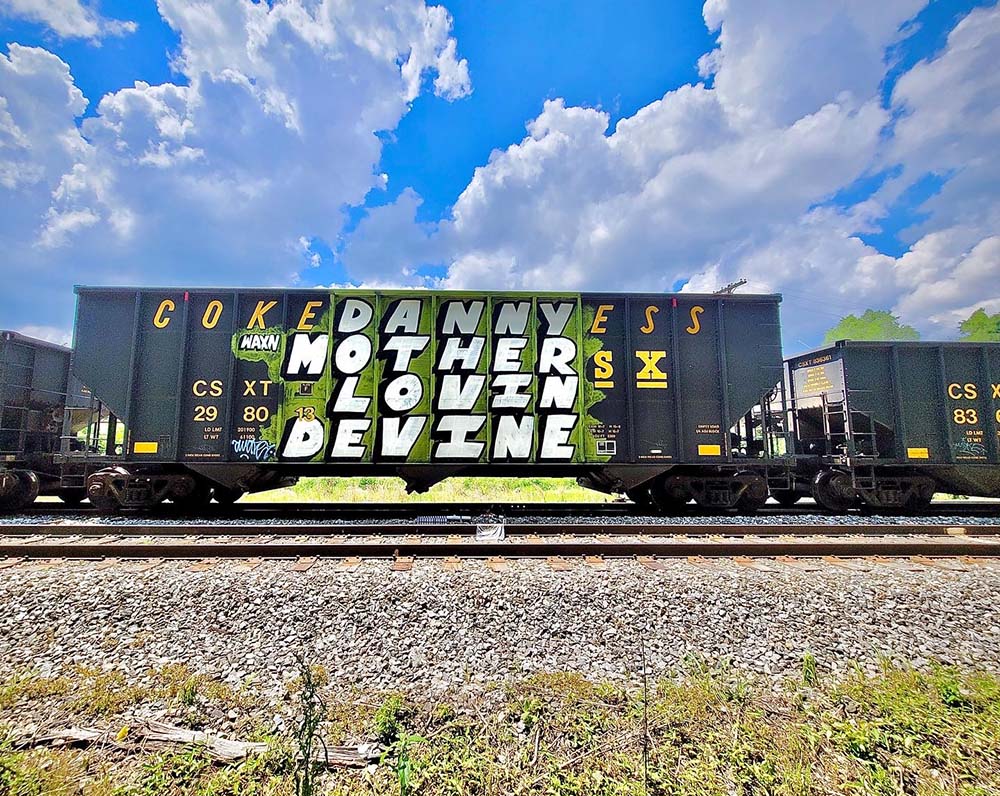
415,378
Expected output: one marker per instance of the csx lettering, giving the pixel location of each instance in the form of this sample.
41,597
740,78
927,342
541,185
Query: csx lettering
201,388
604,370
996,390
161,320
959,391
250,386
649,326
600,318
650,369
695,326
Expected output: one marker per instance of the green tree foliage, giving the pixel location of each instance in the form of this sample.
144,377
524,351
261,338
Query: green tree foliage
981,328
872,325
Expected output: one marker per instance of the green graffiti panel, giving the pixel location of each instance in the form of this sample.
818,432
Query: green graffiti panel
412,377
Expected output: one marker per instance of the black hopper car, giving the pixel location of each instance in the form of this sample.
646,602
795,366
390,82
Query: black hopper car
193,395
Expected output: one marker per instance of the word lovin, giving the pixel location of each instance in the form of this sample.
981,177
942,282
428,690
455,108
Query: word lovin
462,370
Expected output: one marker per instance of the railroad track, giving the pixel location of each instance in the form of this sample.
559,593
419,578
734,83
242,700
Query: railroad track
82,541
400,511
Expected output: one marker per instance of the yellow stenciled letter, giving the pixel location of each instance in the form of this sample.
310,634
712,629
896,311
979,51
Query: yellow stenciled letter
650,375
308,313
257,319
212,314
651,310
600,318
161,320
604,370
695,326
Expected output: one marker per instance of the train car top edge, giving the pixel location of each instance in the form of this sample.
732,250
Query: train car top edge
810,356
79,289
11,335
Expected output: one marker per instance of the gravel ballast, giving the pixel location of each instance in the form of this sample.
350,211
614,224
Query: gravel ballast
721,520
429,630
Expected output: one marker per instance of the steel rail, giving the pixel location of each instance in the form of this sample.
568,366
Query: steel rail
472,510
591,529
950,547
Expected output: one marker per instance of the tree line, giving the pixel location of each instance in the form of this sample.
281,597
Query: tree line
979,327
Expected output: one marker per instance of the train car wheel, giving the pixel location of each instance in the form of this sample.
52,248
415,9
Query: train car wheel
920,497
754,496
786,497
199,497
105,503
639,495
833,490
669,494
226,496
21,489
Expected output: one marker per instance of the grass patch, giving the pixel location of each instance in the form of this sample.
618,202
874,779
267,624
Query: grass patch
710,732
453,490
29,687
92,692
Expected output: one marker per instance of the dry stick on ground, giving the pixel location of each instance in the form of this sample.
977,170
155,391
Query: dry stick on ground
156,735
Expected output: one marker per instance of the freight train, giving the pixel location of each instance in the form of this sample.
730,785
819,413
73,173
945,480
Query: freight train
193,395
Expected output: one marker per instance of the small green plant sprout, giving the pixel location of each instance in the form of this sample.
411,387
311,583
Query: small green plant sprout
404,765
810,674
312,714
390,718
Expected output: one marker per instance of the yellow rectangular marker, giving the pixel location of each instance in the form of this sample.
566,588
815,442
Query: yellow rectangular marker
709,450
918,453
146,447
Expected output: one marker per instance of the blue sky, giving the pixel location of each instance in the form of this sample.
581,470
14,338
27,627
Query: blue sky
828,104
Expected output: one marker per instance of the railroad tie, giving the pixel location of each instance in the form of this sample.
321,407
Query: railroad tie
856,564
498,564
761,565
798,563
949,564
559,564
402,564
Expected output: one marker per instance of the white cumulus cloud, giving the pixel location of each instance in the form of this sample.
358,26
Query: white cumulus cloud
270,134
741,176
68,19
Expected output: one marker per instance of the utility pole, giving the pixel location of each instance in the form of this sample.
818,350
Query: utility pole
730,288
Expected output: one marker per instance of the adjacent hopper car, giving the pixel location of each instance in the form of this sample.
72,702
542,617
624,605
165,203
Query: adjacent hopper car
44,411
190,395
890,424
